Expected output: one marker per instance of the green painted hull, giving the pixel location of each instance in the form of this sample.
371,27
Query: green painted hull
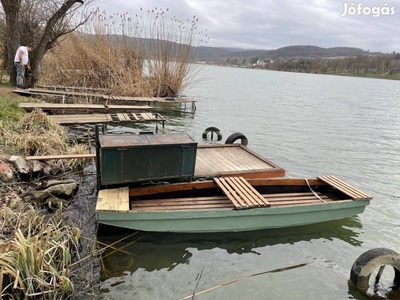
230,220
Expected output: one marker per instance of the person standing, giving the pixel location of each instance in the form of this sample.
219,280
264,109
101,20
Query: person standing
21,62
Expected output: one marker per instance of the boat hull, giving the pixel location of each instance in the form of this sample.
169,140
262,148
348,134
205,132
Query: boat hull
230,220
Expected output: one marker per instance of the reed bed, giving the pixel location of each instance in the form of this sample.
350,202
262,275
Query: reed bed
35,261
148,54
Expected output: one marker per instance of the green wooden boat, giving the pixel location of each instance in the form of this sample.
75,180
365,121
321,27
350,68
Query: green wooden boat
230,204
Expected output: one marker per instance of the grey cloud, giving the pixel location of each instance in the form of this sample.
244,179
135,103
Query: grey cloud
267,24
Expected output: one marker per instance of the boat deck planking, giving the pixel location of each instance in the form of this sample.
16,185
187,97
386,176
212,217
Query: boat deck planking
117,200
207,165
233,160
241,193
342,186
113,200
222,202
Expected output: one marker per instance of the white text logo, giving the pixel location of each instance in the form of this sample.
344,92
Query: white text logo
359,9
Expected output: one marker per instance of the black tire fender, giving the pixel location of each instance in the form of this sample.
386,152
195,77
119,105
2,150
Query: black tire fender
235,136
212,130
370,261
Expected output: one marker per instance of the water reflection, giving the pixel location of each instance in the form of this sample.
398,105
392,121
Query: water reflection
373,293
156,251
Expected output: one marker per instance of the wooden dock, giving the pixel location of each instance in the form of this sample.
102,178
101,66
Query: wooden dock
151,100
101,96
108,118
56,107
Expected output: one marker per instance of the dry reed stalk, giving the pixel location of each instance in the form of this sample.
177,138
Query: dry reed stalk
244,277
150,55
37,134
37,263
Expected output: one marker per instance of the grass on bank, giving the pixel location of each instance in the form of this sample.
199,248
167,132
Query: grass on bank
35,134
9,109
36,253
35,263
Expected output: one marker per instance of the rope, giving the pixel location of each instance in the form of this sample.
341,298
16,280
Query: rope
315,194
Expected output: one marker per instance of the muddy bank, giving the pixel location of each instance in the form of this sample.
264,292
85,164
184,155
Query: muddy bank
81,211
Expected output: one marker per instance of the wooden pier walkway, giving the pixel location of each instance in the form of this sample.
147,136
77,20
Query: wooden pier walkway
101,96
85,107
98,113
108,118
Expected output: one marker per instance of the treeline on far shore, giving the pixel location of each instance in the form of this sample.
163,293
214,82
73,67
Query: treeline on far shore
384,66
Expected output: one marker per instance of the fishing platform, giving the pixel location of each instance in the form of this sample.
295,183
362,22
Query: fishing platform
97,113
102,96
57,107
109,118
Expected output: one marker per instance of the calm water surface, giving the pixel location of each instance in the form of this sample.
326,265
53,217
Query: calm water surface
310,125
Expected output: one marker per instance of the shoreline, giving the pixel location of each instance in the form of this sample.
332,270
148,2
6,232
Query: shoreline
85,274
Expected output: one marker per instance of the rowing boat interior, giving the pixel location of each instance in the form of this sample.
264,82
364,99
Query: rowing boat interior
215,197
229,193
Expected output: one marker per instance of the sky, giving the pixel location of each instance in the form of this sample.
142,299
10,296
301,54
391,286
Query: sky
372,25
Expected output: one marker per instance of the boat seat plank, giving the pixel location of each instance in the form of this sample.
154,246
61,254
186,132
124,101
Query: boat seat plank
346,188
245,195
232,195
113,200
256,196
241,192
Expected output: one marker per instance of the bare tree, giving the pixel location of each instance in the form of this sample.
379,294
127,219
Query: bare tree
12,10
40,24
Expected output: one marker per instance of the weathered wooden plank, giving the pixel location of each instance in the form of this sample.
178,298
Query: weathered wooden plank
121,117
129,107
209,163
246,197
147,116
236,193
60,106
218,202
113,200
182,201
237,202
66,156
126,117
81,119
256,196
71,93
346,188
109,118
132,116
184,207
97,118
278,198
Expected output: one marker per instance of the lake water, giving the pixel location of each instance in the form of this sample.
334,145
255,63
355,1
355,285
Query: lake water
310,125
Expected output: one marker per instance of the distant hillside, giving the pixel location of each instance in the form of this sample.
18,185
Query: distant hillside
289,52
219,54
